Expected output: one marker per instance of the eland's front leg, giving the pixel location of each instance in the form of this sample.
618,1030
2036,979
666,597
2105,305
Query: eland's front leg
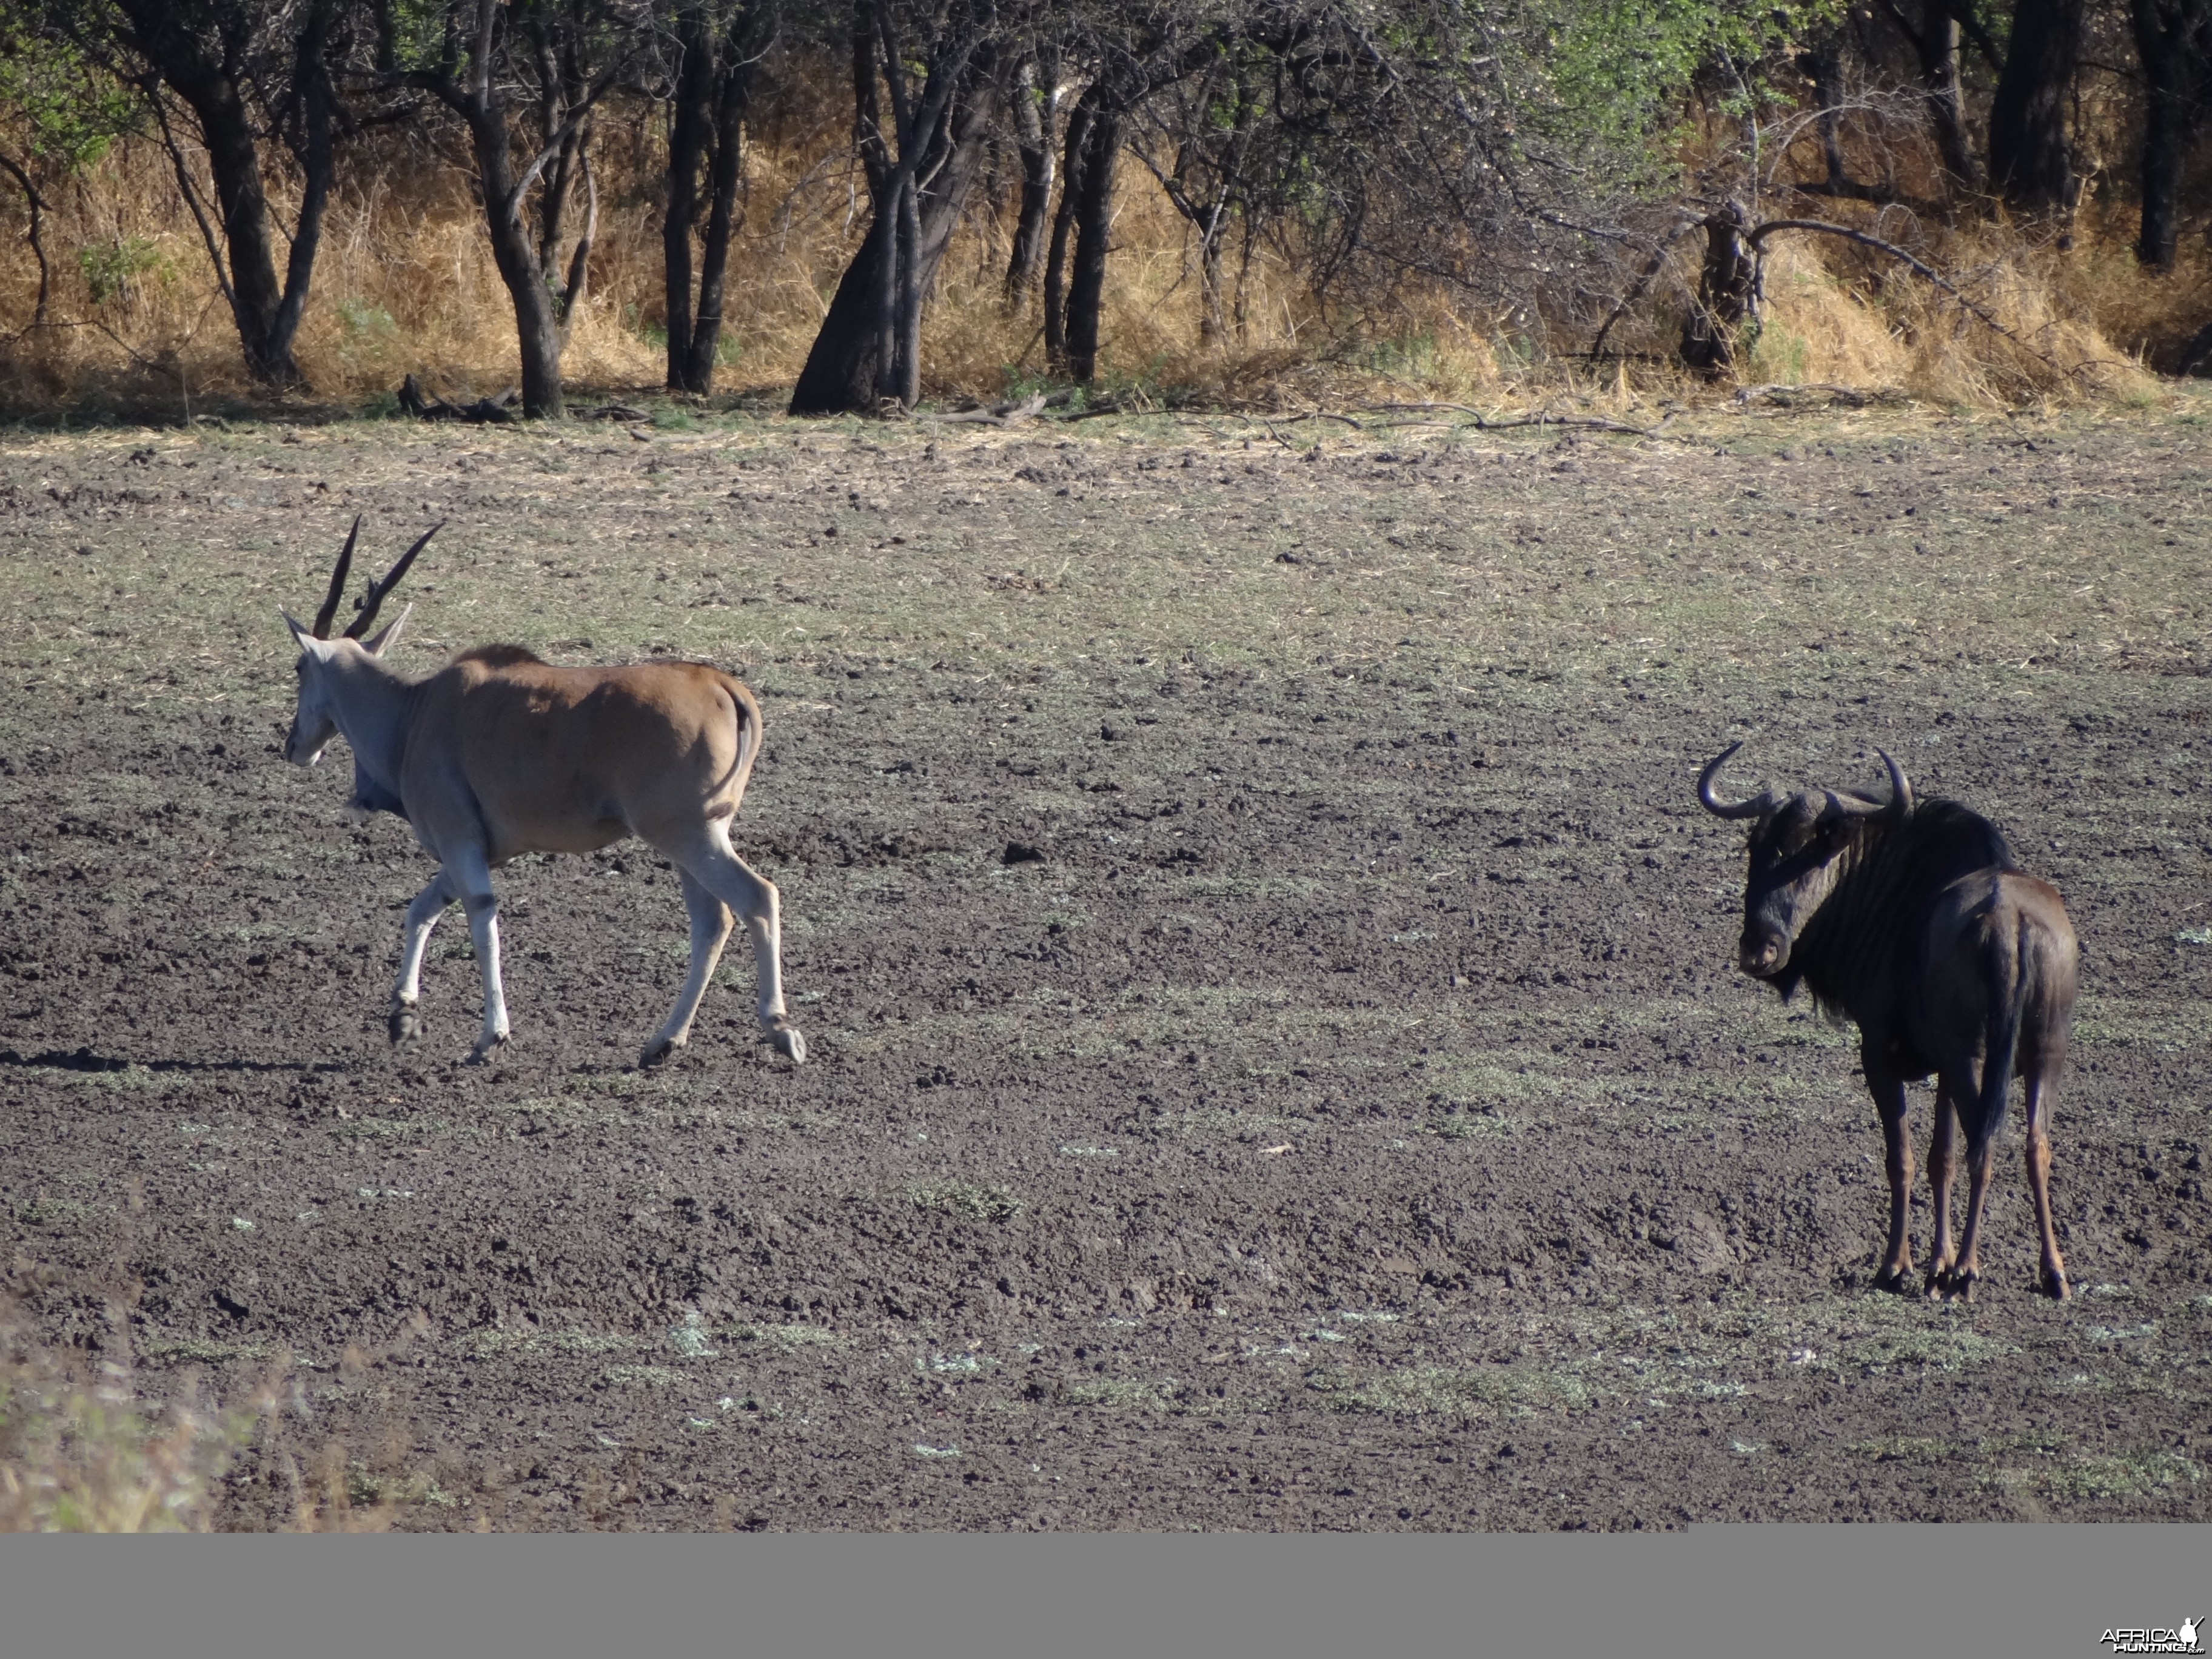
423,916
710,930
471,876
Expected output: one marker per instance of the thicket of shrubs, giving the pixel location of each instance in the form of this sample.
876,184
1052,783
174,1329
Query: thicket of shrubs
870,203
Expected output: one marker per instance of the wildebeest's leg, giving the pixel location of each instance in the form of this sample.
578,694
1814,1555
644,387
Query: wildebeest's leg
1943,1165
1888,1091
2039,1181
1980,1144
710,929
754,897
470,873
422,916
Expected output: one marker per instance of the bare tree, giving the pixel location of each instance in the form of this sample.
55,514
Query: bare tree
720,46
489,62
921,89
1033,103
243,71
1196,139
2174,40
2031,148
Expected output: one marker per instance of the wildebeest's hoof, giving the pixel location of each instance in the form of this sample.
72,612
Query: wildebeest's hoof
485,1050
787,1040
405,1026
656,1051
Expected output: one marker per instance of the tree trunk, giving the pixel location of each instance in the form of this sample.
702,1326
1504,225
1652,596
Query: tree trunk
1823,65
537,330
690,127
2030,162
906,375
242,208
1728,295
37,203
2173,39
267,315
2165,142
1063,223
840,373
319,101
1938,47
724,176
1094,207
853,363
1035,110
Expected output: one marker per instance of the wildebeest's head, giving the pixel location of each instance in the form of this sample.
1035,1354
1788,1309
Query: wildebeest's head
1799,845
315,718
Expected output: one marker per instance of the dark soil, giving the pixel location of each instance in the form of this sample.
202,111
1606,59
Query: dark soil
1275,1056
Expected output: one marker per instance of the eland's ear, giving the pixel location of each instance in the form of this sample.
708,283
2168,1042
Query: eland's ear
318,649
377,643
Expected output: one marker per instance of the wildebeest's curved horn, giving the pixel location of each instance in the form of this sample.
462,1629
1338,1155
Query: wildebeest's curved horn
1749,809
322,628
377,591
1897,807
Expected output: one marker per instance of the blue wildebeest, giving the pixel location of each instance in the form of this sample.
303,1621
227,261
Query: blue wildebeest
499,753
1914,921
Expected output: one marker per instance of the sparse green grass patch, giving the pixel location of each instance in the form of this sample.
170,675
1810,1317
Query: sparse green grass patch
965,1199
1519,1390
647,1376
199,1351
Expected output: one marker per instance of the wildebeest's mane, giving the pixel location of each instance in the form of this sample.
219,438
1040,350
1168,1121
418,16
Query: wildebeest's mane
499,656
1893,873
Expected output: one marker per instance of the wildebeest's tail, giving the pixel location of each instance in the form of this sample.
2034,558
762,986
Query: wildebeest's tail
2011,967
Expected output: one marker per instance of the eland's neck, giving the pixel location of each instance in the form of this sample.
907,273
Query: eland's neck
372,702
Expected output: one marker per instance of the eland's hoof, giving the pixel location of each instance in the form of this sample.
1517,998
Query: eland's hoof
485,1051
405,1026
1960,1287
1894,1278
655,1052
2054,1285
786,1041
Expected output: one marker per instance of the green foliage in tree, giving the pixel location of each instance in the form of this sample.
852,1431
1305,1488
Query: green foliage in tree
70,110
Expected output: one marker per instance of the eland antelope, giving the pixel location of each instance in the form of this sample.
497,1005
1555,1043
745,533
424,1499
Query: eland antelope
1914,922
499,753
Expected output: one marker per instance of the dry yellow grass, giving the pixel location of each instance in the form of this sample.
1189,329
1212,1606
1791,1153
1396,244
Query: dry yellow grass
405,284
81,1452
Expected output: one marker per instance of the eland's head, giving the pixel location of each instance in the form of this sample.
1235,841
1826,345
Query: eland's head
323,660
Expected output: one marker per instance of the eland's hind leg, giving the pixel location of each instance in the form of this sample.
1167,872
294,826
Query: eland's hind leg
710,930
422,916
754,898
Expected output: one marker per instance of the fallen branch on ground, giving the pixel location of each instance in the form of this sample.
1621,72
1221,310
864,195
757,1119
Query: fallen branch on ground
1541,417
425,406
1005,414
1850,397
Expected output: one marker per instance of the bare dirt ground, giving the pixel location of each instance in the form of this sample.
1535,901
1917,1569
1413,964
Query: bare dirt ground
1351,1118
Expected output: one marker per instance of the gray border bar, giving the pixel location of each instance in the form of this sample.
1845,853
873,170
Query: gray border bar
1799,1592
